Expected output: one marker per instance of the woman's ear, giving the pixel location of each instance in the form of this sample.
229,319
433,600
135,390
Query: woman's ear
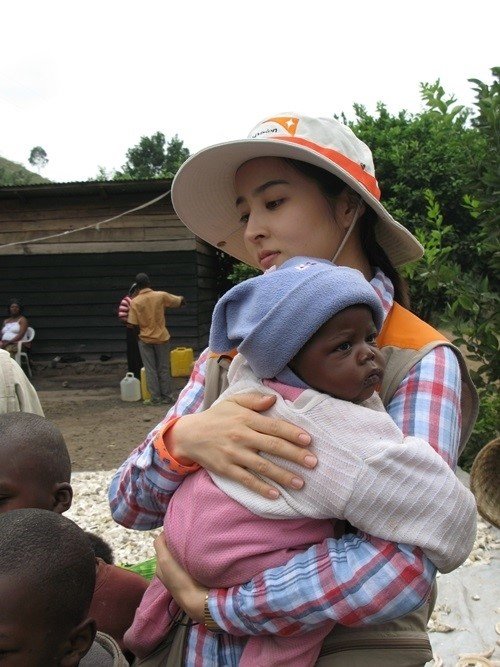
79,643
63,497
348,208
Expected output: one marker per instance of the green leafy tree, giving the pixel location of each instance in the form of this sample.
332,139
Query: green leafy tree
434,150
467,292
38,158
487,184
103,174
177,153
151,158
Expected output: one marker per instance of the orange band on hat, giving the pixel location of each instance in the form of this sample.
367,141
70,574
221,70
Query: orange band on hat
353,168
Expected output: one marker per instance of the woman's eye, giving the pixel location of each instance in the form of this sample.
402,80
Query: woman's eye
274,203
244,219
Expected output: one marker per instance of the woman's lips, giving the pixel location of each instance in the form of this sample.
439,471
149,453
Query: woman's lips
268,259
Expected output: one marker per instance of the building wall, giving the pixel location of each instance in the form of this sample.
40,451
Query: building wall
39,211
71,300
71,285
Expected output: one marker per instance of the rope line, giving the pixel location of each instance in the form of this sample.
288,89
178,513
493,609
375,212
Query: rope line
95,225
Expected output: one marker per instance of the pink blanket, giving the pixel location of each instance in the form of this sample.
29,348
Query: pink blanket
222,544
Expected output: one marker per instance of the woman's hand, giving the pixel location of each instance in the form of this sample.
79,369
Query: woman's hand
227,437
188,593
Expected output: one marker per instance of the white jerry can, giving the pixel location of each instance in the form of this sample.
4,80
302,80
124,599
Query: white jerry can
130,388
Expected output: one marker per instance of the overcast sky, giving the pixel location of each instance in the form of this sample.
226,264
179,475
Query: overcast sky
85,80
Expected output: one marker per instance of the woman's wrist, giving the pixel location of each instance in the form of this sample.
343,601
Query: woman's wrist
164,445
208,620
179,440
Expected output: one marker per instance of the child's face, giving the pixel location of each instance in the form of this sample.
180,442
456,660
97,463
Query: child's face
21,487
25,638
342,358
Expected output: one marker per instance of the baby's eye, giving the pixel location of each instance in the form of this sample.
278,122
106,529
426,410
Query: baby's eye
274,203
372,338
343,347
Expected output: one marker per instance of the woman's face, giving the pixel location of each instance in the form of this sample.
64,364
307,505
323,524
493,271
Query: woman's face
14,309
284,213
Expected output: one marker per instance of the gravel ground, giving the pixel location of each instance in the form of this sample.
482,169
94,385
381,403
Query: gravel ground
90,510
466,618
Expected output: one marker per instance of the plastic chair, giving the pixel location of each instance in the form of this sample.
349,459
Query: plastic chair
21,354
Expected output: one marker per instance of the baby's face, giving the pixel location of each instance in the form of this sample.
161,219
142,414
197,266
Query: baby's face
25,639
342,358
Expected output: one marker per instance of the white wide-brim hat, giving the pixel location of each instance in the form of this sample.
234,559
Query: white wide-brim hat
204,197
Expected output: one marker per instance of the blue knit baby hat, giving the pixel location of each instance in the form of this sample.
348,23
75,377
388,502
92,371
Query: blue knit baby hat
269,318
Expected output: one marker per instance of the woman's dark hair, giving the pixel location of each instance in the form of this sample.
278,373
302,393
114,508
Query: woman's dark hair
331,186
18,304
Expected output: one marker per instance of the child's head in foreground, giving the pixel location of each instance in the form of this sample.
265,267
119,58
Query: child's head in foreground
308,323
35,468
47,578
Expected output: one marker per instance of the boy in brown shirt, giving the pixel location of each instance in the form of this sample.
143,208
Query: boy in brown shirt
147,313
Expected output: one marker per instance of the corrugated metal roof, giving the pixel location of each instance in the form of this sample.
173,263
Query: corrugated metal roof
83,188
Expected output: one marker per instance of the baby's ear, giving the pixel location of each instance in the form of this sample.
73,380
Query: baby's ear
63,497
79,643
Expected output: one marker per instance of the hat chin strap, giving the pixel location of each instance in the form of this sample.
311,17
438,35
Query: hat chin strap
348,233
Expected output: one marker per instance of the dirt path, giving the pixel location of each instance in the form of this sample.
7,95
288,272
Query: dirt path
99,428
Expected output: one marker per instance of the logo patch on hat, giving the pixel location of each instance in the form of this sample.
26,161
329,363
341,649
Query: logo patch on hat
287,123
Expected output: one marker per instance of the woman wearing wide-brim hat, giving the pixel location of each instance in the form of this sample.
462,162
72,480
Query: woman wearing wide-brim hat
302,186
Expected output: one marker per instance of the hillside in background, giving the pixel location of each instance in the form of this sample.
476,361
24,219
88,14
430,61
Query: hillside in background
13,173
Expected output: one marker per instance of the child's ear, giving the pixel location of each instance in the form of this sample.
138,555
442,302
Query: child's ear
63,497
79,643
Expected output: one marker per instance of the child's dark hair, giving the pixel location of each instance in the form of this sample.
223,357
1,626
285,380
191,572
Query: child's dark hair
142,280
100,548
52,556
331,186
39,438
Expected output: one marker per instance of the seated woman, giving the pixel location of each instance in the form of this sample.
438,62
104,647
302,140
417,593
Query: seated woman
14,327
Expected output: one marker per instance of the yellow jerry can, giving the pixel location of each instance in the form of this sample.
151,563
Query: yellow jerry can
145,393
181,361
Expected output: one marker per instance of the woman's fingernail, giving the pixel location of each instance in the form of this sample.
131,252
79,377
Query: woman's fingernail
305,439
297,483
310,461
272,493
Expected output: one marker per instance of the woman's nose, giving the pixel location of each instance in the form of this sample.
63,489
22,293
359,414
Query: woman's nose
254,229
